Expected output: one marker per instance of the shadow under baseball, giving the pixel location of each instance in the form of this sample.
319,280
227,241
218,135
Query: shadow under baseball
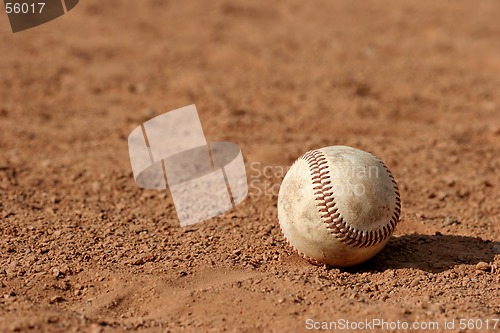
431,253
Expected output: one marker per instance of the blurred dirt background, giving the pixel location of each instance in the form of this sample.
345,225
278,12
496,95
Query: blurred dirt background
82,249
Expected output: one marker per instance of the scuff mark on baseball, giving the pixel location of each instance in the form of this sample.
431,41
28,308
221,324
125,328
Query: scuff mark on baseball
338,206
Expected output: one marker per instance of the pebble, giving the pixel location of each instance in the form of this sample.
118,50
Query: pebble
56,272
441,195
138,261
482,266
415,282
450,220
56,299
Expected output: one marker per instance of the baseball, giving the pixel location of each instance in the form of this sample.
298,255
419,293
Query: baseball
338,206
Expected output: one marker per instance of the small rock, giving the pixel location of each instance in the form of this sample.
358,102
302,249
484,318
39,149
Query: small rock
482,266
56,299
138,262
441,195
415,282
56,272
496,248
237,252
269,228
450,220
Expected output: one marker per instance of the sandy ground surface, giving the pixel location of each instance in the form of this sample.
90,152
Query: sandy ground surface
82,249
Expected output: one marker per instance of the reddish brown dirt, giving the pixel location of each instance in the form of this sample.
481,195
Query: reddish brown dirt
84,250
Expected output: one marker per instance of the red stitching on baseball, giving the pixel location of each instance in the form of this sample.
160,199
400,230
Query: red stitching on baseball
325,199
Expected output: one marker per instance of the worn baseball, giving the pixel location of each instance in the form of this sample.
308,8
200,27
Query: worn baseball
338,206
